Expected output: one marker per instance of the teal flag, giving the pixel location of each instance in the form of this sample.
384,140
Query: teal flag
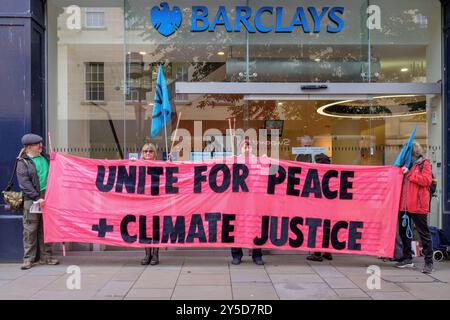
162,110
404,158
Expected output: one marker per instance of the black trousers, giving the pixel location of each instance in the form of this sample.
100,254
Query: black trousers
237,253
421,223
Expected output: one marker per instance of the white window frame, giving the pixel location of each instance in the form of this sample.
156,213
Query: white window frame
94,10
86,81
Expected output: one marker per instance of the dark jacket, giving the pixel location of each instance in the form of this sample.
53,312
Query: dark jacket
28,178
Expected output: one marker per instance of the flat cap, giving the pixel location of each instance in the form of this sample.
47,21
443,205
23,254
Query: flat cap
31,138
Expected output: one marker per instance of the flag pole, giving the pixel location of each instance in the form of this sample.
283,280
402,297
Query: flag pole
176,130
165,131
50,146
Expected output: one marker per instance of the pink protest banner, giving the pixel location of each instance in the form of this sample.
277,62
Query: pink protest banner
225,203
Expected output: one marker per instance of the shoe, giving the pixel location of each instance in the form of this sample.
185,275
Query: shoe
327,256
148,257
313,257
146,260
427,268
236,261
26,265
49,261
155,258
258,261
405,264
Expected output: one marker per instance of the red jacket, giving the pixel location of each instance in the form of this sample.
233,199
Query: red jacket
417,190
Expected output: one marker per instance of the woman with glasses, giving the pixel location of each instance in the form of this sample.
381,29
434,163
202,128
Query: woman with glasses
148,152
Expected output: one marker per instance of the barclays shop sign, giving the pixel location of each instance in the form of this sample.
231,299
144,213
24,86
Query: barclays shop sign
168,20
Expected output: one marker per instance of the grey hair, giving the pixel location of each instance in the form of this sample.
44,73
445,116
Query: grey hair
305,139
417,149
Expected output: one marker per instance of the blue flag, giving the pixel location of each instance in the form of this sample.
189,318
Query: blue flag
405,156
162,110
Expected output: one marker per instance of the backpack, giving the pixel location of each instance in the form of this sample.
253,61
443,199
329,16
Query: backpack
433,186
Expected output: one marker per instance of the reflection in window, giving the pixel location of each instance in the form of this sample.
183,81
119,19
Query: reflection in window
95,18
95,81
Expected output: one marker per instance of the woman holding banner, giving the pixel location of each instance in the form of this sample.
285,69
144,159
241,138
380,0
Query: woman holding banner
414,204
237,253
148,152
324,159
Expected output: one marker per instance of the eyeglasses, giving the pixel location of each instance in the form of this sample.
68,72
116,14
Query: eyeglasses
148,151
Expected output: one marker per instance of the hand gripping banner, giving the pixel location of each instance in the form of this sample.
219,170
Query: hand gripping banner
235,202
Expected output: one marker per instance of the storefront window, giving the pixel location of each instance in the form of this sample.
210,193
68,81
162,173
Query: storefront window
104,58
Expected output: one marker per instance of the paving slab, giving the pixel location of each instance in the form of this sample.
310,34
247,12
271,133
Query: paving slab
208,274
296,278
249,276
289,269
254,291
428,291
411,278
351,293
389,295
305,291
64,295
89,282
341,282
149,294
202,293
219,279
361,282
114,289
157,279
205,269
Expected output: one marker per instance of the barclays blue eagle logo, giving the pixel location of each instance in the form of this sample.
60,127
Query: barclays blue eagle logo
166,21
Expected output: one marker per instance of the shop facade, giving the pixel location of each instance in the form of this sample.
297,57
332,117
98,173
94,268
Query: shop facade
355,76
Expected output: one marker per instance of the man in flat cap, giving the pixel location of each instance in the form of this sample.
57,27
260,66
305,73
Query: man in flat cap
32,174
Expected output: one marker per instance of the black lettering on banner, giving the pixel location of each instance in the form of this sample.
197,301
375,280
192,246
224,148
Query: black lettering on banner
156,234
212,218
176,233
171,180
293,181
141,182
264,232
295,222
196,224
326,233
143,231
345,185
274,231
124,229
326,184
354,235
155,172
313,224
199,178
312,184
338,245
101,176
127,178
274,180
238,178
213,178
227,228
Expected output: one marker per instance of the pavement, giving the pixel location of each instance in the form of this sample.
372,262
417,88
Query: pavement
209,275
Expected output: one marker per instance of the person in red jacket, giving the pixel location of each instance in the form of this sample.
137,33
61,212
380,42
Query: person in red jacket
414,202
